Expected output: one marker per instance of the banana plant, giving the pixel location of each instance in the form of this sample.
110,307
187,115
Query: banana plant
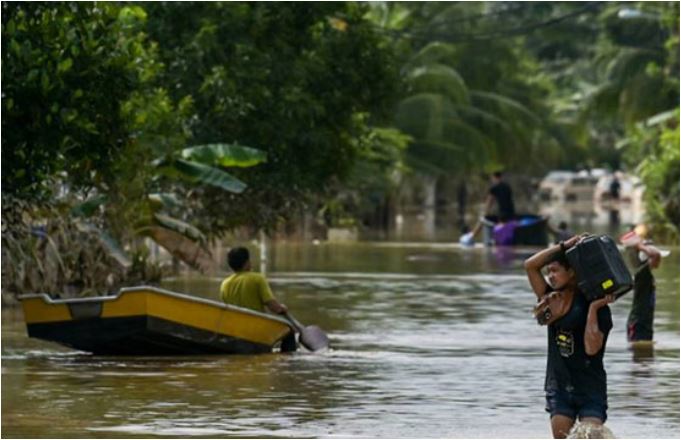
200,165
205,164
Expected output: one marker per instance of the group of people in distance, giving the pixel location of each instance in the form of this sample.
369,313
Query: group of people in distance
575,381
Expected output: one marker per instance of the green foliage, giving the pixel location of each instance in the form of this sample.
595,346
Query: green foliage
469,107
645,82
635,80
68,69
89,206
653,151
369,190
82,116
225,155
47,250
287,79
339,101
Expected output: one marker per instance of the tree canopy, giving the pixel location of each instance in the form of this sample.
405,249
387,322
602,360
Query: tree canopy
198,118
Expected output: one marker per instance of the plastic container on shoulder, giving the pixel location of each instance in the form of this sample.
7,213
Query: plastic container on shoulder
600,267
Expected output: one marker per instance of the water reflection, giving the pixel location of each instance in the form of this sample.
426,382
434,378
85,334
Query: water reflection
428,340
445,225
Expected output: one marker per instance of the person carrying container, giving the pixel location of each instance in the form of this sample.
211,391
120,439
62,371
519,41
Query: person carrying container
245,288
575,382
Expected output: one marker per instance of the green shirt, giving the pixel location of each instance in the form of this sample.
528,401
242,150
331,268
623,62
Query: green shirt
246,289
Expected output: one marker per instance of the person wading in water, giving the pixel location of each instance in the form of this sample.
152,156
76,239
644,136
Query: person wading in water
575,382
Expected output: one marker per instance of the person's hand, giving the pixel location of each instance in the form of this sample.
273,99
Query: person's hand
654,256
567,244
607,299
572,241
276,307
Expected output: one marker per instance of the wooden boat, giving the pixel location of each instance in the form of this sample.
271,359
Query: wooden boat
151,321
525,230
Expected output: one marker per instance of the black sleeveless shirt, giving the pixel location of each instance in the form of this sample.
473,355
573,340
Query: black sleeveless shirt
568,366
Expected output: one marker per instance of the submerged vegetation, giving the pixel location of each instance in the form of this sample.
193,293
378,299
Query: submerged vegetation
179,122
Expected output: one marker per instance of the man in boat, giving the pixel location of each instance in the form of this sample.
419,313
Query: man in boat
245,288
501,193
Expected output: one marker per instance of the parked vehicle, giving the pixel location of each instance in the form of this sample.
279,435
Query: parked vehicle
568,186
552,187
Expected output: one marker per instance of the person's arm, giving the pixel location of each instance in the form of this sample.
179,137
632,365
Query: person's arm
268,298
593,336
488,204
653,254
276,307
534,264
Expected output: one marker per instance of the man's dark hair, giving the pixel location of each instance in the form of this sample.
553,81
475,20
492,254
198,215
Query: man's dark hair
237,258
498,174
560,258
562,225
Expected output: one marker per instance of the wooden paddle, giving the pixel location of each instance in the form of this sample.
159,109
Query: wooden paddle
312,337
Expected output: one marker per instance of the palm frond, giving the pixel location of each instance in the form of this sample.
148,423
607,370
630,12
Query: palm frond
434,53
440,79
508,106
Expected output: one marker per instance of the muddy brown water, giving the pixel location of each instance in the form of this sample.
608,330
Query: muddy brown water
429,340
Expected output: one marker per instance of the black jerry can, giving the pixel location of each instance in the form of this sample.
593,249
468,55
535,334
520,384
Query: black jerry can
600,267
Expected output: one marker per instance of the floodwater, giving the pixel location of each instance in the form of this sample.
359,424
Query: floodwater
429,340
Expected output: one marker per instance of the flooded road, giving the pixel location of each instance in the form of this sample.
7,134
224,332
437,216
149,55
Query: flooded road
429,340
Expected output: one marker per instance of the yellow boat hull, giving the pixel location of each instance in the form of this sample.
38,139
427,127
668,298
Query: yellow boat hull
152,321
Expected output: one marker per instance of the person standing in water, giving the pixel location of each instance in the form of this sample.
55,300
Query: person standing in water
614,188
643,257
561,233
575,382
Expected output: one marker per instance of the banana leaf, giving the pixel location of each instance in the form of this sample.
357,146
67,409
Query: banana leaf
88,207
164,200
180,227
225,155
208,175
181,247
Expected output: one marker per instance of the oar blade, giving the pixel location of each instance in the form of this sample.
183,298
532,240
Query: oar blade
314,338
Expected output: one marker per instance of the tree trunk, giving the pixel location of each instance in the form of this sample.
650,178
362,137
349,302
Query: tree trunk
430,190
